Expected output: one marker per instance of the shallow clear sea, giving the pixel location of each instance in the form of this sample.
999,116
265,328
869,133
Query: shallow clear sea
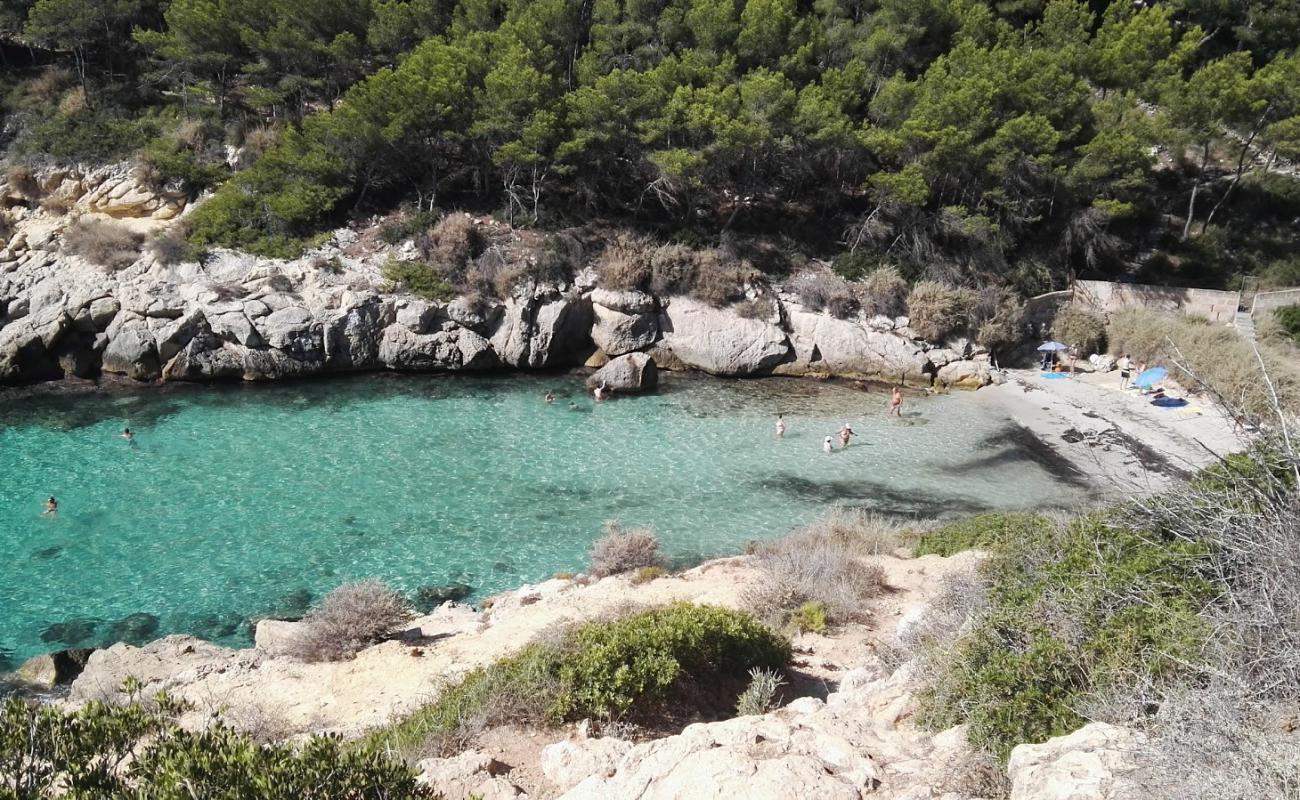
243,501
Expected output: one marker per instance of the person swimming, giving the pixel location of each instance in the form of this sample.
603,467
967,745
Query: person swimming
846,433
126,434
51,507
573,406
549,397
780,425
600,392
827,445
896,402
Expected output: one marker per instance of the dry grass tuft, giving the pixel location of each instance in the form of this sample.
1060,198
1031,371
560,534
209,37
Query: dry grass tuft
107,244
171,245
884,292
825,291
1080,329
351,618
937,310
22,179
624,549
822,564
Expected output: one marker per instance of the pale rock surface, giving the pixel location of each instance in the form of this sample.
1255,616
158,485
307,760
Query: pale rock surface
719,341
616,332
833,346
634,372
133,352
567,764
1096,762
965,374
469,776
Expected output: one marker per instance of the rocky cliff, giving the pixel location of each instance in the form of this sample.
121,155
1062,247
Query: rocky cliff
236,317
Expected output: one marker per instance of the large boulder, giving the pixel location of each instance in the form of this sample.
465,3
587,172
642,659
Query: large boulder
53,669
177,334
27,346
966,374
454,349
634,372
617,333
133,352
544,329
294,331
1096,762
826,345
626,302
352,339
206,357
234,326
720,341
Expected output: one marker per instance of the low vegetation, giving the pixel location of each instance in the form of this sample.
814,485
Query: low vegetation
623,550
1212,358
714,275
1288,319
682,655
137,750
1080,329
818,576
108,244
760,696
418,278
937,310
351,617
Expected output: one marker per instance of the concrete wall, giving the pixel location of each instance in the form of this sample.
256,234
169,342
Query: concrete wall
1267,301
1107,296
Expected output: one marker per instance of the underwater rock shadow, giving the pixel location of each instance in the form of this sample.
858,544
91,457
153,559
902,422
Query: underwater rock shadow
871,494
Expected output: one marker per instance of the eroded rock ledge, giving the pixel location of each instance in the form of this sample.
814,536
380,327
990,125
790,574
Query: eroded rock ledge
237,317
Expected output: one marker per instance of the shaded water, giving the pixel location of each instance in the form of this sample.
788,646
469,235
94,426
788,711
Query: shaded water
242,501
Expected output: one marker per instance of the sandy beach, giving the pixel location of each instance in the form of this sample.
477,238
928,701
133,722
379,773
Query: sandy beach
1115,438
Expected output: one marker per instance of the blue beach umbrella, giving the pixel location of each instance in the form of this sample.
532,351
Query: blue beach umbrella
1052,347
1149,377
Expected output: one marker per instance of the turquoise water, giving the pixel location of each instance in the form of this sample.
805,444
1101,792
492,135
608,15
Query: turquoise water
242,501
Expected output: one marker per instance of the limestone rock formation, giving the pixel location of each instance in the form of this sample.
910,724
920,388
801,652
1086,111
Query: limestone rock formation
133,352
719,341
469,775
634,372
824,344
1096,762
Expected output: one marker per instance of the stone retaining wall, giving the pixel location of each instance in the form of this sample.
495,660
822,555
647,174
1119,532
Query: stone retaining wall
1107,296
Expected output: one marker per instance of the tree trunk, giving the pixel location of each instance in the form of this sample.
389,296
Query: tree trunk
1241,166
1196,188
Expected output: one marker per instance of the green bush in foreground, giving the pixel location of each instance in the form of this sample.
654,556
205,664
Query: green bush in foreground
599,669
419,279
1289,318
107,752
1077,609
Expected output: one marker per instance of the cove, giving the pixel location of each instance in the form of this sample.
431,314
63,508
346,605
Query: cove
236,502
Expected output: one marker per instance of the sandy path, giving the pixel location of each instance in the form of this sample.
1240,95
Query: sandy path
1115,438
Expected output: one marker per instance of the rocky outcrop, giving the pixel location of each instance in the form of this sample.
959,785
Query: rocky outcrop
720,341
634,372
1096,762
132,351
542,327
469,776
53,669
624,321
830,346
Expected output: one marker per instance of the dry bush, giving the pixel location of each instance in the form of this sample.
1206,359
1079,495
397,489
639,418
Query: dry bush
625,264
823,564
258,140
758,308
73,102
22,179
171,245
825,291
45,89
999,319
884,292
351,617
193,133
1080,329
58,206
453,244
937,310
961,601
1209,358
624,549
720,278
107,244
673,268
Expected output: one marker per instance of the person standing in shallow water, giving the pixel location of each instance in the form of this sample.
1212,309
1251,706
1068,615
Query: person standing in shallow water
846,433
51,507
780,425
896,402
827,445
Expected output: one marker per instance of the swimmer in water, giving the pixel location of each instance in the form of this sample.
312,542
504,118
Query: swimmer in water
573,406
549,397
126,434
896,402
780,425
600,392
51,507
827,446
846,433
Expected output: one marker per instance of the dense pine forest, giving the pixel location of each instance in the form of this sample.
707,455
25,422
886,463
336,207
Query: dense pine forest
1014,141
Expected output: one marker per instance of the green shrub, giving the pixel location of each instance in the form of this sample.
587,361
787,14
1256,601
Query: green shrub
760,696
421,280
1082,330
810,618
130,751
169,159
1289,318
409,224
981,532
647,574
1076,610
617,668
